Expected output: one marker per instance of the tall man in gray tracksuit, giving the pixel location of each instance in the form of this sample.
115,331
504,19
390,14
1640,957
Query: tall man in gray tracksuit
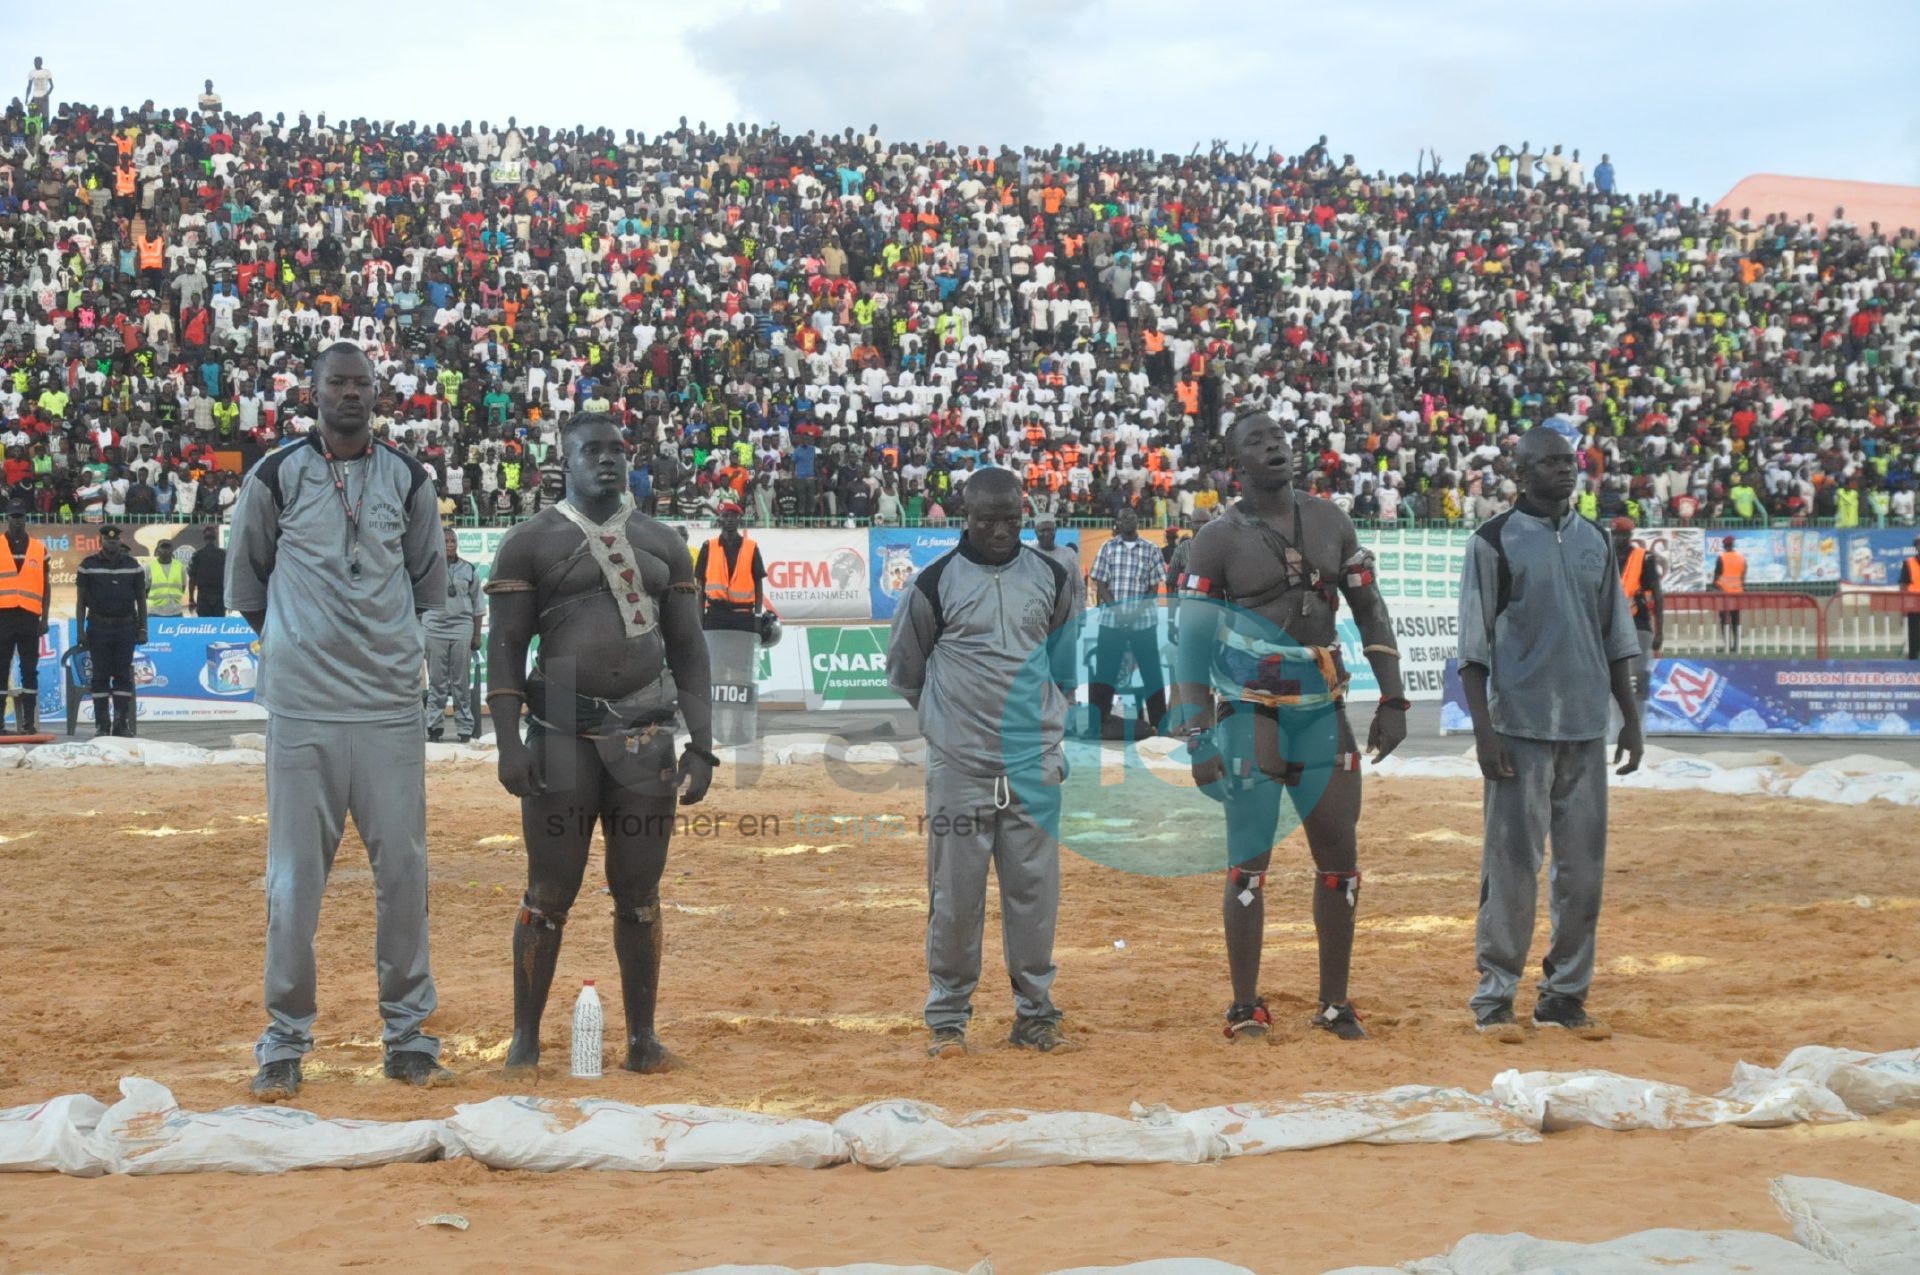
335,550
1545,638
970,651
453,634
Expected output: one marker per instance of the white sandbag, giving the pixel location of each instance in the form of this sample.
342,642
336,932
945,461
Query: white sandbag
52,1137
1868,1083
861,1268
1643,1253
156,752
886,1135
1552,1100
12,755
1407,1113
1865,1231
236,757
1164,1266
65,756
147,1132
254,740
546,1135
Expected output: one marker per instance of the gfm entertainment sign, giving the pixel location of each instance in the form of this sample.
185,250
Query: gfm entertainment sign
817,575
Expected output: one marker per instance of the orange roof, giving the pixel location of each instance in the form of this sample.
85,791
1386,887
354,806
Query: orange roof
1894,207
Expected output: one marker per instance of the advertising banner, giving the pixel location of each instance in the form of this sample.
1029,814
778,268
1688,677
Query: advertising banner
1821,698
1874,559
192,670
817,575
846,666
1418,565
897,554
1427,635
1681,553
1790,556
69,542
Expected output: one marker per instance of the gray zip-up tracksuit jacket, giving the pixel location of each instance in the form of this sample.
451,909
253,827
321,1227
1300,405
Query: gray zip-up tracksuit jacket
339,645
968,652
1541,609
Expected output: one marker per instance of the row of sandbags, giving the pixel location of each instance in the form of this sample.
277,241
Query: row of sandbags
1837,1230
147,1131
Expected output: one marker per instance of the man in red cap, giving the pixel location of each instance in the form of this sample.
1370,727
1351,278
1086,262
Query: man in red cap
732,576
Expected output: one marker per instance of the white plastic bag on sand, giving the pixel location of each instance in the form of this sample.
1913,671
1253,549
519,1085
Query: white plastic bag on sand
1868,1083
1164,1266
544,1135
887,1135
1407,1113
1865,1231
64,756
862,1268
1552,1100
147,1132
1643,1253
52,1137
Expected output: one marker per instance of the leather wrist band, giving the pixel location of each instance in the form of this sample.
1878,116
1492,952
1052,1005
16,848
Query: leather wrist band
705,756
1399,703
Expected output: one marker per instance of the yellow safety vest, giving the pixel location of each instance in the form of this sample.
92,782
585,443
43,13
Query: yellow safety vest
166,584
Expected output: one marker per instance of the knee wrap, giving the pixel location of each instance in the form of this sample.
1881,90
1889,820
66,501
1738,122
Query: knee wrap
1250,884
531,916
1349,882
647,913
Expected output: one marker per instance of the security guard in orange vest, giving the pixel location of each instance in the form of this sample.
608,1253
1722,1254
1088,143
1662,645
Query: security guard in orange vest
1730,576
732,577
1910,585
24,599
1640,581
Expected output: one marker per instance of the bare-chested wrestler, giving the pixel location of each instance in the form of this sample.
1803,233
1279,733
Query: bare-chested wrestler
1266,716
610,593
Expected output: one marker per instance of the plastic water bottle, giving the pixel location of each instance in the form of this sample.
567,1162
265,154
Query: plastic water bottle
587,1031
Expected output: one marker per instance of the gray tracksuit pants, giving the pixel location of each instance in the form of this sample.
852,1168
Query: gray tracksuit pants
450,673
317,774
1558,790
973,822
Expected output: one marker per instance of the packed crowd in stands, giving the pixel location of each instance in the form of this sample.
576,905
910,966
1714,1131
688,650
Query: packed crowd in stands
846,326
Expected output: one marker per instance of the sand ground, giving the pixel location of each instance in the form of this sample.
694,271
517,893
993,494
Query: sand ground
132,918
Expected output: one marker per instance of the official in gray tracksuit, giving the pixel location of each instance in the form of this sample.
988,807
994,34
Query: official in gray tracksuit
336,548
1546,638
970,652
453,635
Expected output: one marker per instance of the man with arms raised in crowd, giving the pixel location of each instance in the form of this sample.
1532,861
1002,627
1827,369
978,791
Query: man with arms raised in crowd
334,552
1280,560
1545,637
611,595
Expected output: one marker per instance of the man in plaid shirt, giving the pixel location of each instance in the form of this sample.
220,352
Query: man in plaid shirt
1126,576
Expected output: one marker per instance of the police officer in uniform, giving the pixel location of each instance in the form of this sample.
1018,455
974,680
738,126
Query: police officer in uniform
110,616
453,634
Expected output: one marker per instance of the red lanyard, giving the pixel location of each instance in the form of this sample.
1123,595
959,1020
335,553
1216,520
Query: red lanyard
351,509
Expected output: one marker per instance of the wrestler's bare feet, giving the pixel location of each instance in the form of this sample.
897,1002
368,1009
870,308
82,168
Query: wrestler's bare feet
523,1060
651,1057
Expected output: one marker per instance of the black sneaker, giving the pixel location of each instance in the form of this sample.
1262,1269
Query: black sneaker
435,733
417,1068
277,1081
1340,1020
1248,1022
1570,1015
1043,1034
947,1042
466,739
1500,1024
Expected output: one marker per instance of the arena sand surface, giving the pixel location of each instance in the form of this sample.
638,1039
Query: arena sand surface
132,921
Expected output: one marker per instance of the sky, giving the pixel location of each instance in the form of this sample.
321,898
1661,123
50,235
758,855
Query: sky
1685,95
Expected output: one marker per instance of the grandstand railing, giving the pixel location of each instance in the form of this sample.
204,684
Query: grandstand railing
1787,624
1870,625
